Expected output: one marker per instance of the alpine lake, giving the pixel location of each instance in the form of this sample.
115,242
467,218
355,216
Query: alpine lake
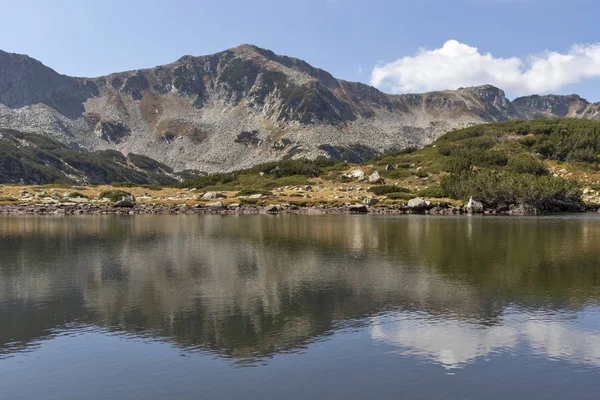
300,307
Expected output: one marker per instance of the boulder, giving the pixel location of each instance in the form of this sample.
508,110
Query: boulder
255,196
522,209
370,201
215,204
375,178
418,203
474,207
358,174
126,201
389,167
358,208
213,196
272,209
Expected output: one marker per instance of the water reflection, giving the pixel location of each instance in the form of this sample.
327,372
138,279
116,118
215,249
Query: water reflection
449,290
455,344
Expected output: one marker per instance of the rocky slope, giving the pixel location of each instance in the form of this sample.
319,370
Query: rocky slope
244,106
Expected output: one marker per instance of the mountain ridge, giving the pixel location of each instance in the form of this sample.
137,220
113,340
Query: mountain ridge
244,106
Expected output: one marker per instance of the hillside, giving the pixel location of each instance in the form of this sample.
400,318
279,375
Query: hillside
245,106
541,165
28,158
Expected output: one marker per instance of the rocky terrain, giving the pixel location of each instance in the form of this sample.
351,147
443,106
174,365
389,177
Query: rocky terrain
245,106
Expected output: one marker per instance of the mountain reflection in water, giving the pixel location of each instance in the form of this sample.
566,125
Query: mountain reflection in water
450,290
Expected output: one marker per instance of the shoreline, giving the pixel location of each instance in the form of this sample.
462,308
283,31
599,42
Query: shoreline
201,209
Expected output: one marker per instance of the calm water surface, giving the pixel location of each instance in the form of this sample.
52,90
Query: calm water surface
299,307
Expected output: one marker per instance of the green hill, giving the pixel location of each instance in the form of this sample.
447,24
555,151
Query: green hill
29,158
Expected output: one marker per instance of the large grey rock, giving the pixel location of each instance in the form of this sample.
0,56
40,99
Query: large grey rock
255,196
272,209
358,174
370,201
473,207
522,209
375,178
215,204
358,208
126,201
213,196
418,203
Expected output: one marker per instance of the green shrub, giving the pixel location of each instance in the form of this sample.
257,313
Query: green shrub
385,189
527,164
124,184
434,191
421,174
74,195
248,201
8,199
152,186
113,195
500,190
399,196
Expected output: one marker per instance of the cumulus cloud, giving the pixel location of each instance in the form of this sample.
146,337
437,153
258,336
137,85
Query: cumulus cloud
457,64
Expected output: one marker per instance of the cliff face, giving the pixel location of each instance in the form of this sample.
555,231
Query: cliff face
240,107
557,106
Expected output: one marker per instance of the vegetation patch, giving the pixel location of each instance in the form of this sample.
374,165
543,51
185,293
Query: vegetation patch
386,189
113,195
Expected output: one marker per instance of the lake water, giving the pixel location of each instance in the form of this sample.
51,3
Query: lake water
299,307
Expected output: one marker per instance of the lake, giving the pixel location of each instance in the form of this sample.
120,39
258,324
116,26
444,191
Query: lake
300,307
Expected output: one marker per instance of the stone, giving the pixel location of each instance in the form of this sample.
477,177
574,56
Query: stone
215,204
370,201
213,196
474,207
272,209
358,208
418,203
375,178
126,201
358,174
522,209
307,187
255,196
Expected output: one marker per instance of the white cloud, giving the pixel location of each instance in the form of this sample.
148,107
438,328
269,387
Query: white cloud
457,64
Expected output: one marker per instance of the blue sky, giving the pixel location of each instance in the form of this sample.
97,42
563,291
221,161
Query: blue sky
400,46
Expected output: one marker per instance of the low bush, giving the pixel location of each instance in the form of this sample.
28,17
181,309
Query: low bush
152,186
399,196
527,164
74,195
434,191
500,190
124,184
385,189
113,195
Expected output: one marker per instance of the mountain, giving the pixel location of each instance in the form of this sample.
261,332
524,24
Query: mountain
244,106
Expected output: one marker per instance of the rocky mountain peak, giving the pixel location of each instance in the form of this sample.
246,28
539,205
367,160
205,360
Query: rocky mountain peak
243,106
